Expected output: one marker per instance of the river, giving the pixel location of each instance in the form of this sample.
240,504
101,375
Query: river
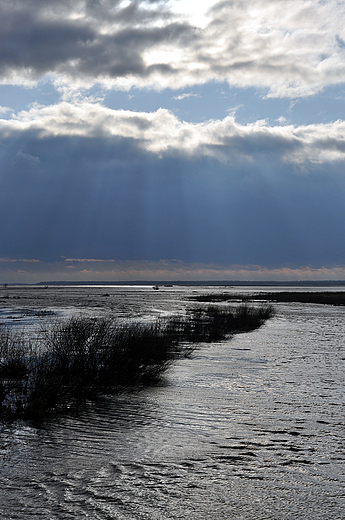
249,428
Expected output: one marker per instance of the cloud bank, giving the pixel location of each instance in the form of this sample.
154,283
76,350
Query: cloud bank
294,48
84,270
84,181
162,133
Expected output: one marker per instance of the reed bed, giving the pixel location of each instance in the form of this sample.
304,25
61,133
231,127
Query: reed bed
82,358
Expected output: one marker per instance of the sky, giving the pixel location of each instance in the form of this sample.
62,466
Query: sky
172,140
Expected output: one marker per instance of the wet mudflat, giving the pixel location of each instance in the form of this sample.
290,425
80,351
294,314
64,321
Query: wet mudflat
248,428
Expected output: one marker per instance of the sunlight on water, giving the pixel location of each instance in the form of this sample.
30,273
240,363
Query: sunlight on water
250,428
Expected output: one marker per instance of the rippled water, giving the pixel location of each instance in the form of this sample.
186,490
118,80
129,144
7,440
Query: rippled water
251,428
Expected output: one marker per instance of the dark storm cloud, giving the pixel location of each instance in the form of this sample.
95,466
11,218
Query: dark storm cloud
121,54
107,198
92,39
280,45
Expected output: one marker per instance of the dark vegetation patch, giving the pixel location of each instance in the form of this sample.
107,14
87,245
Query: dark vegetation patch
82,358
330,298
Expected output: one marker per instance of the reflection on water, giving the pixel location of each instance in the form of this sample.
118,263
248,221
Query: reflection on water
251,428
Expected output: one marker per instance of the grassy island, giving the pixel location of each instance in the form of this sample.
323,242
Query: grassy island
82,358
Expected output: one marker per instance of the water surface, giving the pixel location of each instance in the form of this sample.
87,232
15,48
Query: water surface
251,428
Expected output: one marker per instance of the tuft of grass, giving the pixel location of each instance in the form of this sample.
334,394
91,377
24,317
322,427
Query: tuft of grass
215,323
82,358
16,358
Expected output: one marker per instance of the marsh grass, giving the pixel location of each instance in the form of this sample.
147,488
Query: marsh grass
319,297
82,358
214,323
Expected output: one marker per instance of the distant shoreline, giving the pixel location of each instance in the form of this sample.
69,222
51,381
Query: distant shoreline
294,283
324,298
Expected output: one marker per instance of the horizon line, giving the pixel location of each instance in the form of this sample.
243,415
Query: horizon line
189,282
